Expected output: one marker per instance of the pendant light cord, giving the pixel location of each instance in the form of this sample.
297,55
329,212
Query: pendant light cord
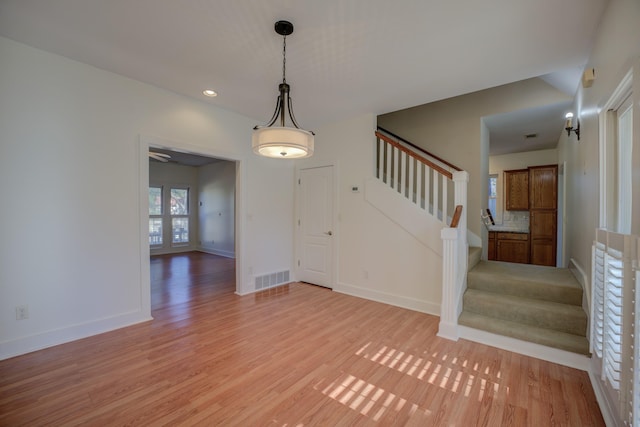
284,59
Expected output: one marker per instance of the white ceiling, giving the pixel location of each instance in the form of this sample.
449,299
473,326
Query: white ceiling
509,131
345,57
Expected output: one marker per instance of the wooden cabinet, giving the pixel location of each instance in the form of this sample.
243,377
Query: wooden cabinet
508,247
543,187
516,190
534,189
491,255
543,202
512,247
543,226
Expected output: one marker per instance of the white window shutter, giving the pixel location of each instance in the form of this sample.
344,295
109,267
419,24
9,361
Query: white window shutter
613,319
597,304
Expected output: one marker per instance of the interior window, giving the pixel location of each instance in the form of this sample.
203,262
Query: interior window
155,216
179,216
493,182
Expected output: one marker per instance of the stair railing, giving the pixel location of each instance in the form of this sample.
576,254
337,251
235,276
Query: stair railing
426,181
418,176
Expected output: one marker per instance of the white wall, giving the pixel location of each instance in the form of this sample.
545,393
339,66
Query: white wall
71,176
375,257
616,48
168,175
216,210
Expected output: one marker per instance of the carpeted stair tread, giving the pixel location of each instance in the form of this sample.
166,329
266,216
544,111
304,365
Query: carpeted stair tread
550,338
545,314
529,281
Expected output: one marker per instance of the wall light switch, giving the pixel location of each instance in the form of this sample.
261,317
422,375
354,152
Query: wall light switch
22,312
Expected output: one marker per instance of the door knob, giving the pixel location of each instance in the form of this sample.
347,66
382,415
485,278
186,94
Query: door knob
329,233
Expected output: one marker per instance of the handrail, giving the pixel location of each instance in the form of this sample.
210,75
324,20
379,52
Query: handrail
456,216
424,160
454,167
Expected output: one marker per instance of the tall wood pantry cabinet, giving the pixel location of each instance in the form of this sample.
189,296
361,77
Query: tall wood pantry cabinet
516,190
543,212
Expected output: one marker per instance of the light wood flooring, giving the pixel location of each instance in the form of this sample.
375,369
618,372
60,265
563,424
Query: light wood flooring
296,355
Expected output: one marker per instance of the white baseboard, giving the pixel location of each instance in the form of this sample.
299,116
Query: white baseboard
75,332
561,357
391,299
226,254
582,278
169,251
448,331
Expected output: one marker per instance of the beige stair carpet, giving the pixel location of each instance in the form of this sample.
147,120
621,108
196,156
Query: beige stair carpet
532,303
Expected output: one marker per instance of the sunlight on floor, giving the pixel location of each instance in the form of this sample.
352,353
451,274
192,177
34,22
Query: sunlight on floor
367,398
447,372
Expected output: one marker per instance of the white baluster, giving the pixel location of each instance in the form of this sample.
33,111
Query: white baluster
381,146
403,174
419,183
426,186
436,188
396,172
445,183
387,175
411,175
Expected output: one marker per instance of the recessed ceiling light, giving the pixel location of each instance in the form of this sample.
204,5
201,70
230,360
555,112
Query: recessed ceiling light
210,93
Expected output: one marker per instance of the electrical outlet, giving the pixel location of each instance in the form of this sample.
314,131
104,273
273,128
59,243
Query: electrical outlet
22,312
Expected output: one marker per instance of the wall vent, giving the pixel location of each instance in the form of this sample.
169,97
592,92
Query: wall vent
271,280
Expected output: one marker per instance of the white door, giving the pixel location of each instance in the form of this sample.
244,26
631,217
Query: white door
315,226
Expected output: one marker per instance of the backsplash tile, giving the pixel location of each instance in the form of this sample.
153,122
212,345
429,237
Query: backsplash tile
516,219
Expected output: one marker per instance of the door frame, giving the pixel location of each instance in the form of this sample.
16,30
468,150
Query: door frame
297,253
144,143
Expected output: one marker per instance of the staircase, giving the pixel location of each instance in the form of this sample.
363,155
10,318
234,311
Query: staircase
533,303
425,183
541,305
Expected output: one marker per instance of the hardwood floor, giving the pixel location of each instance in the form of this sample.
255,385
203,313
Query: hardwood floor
296,355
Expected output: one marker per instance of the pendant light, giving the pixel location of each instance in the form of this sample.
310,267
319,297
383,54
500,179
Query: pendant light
283,142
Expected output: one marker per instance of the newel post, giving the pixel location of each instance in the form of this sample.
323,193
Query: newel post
454,263
448,327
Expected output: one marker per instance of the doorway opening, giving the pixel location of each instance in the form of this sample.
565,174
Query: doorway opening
190,203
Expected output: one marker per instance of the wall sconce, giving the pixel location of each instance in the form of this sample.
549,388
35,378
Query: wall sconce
569,126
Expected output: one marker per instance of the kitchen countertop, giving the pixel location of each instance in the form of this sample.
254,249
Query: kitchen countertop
508,228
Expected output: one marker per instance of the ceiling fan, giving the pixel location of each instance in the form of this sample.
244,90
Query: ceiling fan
161,157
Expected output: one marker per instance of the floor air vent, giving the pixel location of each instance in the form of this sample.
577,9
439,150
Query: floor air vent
271,280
